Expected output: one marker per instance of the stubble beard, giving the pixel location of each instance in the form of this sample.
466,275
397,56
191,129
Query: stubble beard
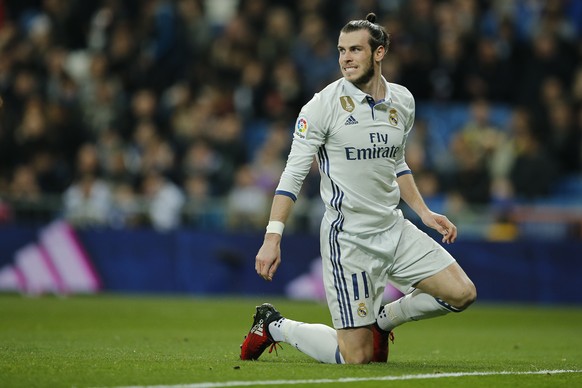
367,76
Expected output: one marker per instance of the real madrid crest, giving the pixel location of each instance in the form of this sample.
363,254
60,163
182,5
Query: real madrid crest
347,103
393,117
362,310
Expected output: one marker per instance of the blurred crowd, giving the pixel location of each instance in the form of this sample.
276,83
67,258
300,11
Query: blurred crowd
146,112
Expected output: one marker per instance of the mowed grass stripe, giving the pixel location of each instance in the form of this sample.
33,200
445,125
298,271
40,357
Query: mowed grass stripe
120,340
345,380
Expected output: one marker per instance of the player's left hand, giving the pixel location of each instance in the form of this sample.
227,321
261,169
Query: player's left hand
442,225
269,257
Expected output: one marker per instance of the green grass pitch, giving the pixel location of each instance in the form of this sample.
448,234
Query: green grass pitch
117,340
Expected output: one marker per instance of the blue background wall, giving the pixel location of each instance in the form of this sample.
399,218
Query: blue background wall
193,262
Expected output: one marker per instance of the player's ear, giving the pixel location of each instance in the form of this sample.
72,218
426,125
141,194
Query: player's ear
379,53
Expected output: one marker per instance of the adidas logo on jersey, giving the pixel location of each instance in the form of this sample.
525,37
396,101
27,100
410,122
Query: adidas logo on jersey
351,121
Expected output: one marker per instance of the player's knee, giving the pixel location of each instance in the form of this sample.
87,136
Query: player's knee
462,296
357,355
465,297
357,358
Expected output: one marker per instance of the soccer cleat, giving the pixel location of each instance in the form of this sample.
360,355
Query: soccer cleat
381,348
259,338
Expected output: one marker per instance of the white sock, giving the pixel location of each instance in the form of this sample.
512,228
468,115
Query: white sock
412,307
316,340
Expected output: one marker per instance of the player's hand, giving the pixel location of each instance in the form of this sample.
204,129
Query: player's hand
269,257
442,225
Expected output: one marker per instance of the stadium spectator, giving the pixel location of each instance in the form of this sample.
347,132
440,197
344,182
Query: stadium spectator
164,201
475,146
70,71
314,54
577,85
148,150
278,37
533,171
201,209
284,95
415,47
101,97
144,107
113,158
198,32
448,74
226,139
162,55
502,191
247,204
126,207
201,159
546,60
231,51
488,75
268,161
25,194
564,138
87,202
248,96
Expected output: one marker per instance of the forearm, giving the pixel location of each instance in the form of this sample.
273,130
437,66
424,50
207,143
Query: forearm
280,211
410,194
269,255
281,208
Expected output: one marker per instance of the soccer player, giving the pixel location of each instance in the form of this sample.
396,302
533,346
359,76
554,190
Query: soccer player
357,127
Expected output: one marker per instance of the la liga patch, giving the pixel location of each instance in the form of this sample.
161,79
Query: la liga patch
301,127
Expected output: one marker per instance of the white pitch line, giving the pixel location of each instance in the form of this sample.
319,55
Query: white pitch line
354,379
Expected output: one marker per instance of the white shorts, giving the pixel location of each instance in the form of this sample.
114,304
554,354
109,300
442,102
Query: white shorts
356,269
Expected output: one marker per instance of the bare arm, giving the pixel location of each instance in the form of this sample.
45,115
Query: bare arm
269,256
410,194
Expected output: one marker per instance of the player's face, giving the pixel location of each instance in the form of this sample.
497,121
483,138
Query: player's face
355,57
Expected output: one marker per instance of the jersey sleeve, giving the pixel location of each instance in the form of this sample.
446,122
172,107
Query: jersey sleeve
401,166
308,136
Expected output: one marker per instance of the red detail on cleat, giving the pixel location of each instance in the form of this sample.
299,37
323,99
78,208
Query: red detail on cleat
381,348
274,347
258,338
254,344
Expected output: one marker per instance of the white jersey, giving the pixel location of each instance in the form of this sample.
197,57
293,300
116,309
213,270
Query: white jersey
359,147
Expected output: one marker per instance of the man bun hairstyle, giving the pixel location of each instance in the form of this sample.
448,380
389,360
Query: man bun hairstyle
371,17
378,34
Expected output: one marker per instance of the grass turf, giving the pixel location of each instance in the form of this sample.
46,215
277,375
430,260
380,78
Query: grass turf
114,340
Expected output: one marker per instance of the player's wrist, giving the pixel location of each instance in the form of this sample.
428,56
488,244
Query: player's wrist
275,227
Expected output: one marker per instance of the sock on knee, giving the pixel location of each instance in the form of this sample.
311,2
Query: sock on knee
412,307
